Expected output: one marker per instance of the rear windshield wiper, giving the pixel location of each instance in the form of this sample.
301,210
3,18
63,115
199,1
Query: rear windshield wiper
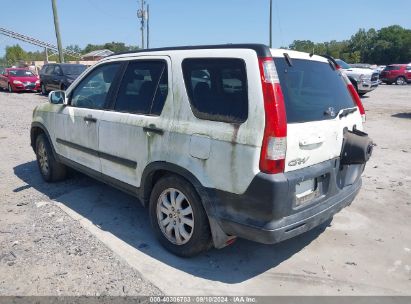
347,112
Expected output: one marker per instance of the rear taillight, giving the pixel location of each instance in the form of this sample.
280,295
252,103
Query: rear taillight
357,101
355,97
274,146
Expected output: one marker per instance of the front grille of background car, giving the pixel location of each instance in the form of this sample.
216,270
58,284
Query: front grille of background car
374,77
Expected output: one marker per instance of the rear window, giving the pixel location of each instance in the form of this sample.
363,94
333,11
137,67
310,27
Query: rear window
310,89
217,88
392,68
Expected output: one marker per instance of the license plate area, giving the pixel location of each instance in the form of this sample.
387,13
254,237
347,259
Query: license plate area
306,191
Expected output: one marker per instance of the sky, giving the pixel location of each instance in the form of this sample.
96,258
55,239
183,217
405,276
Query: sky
196,22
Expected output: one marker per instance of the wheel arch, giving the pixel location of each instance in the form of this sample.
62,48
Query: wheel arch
36,129
156,170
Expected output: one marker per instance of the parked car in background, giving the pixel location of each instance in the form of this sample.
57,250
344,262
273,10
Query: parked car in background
19,80
218,141
59,76
396,73
364,80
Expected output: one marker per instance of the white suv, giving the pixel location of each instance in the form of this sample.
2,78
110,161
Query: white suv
363,79
218,141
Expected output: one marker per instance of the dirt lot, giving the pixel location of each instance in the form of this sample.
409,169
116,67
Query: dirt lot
80,237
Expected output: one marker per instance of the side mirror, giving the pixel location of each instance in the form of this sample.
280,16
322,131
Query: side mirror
57,97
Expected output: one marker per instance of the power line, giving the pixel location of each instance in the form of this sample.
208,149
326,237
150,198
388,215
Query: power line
36,42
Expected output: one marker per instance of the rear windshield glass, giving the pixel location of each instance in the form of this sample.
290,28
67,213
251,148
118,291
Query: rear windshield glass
73,69
310,89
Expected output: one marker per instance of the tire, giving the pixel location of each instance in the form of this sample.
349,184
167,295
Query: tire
195,236
9,88
50,169
361,94
400,81
43,89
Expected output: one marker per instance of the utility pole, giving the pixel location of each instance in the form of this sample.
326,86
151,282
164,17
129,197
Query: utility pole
142,14
57,29
148,26
271,23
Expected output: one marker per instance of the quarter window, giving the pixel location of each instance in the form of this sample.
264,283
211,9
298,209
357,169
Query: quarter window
144,88
217,88
93,90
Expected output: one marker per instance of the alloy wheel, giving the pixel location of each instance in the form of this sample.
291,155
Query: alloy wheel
175,216
43,158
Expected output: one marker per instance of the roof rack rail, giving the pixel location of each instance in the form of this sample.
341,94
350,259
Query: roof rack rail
262,50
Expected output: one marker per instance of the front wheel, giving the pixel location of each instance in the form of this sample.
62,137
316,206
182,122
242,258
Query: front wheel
51,170
178,217
10,88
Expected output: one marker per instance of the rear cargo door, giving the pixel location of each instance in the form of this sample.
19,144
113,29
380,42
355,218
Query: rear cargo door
315,95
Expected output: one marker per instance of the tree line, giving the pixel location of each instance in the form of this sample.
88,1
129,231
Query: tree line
388,45
15,53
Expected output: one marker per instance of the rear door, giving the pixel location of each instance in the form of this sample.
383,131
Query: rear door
314,95
136,130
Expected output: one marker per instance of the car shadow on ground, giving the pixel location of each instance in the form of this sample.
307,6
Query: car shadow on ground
402,115
124,217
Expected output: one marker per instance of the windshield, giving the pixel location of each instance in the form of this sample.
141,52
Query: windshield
343,64
73,69
310,89
21,73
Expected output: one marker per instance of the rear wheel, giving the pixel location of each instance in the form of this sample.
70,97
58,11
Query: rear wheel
401,81
178,217
51,170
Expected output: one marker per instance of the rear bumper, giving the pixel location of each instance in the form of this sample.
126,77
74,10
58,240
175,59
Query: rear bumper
268,213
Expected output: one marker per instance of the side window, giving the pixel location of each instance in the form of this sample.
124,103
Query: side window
92,91
57,70
217,88
48,69
144,88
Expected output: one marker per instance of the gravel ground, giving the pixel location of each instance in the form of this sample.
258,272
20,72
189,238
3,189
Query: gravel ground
366,250
42,250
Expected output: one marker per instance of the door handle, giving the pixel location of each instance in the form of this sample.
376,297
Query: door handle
153,129
90,118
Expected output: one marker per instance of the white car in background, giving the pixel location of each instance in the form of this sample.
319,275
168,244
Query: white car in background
364,80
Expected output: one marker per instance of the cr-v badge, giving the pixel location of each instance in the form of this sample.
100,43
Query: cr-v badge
298,161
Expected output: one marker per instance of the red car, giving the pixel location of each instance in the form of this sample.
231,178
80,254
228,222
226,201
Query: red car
18,80
396,73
